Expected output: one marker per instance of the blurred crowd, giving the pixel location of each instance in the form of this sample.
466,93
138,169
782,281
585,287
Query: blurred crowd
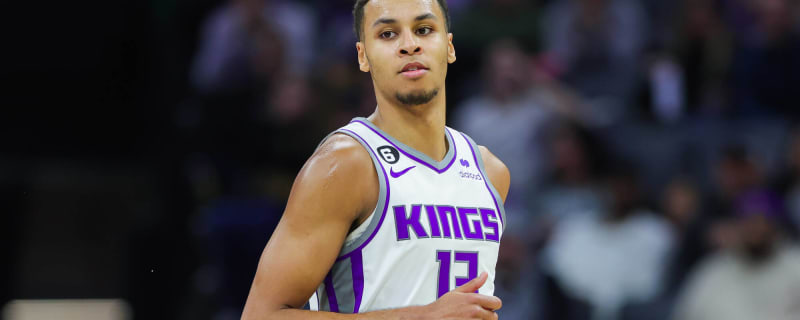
654,149
652,145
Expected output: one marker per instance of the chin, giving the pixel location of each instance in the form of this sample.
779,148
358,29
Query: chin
416,97
420,91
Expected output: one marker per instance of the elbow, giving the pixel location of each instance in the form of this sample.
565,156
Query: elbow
264,312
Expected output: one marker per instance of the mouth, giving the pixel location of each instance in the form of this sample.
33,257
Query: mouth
414,70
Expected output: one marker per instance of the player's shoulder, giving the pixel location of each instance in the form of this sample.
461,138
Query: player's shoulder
497,171
340,171
491,162
340,153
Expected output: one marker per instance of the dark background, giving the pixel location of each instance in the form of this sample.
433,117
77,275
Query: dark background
127,171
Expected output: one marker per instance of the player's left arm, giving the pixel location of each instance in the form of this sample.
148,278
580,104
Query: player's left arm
497,171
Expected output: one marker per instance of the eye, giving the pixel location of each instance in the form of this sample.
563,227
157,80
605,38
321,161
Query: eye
424,31
387,34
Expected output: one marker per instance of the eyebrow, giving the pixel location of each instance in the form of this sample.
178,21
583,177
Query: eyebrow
424,16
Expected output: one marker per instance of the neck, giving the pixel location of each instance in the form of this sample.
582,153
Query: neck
420,127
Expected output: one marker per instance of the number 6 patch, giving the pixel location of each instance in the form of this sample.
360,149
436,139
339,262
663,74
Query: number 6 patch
389,154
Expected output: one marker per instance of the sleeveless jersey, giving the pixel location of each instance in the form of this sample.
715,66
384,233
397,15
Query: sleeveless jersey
436,225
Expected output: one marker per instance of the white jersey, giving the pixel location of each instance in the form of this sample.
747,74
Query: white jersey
436,225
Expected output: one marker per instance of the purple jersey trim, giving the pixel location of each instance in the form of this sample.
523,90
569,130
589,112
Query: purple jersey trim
357,265
333,305
485,180
385,205
455,151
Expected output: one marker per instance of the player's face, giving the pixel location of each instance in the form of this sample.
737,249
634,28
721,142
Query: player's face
406,48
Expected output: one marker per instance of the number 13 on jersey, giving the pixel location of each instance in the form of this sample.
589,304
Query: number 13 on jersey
446,260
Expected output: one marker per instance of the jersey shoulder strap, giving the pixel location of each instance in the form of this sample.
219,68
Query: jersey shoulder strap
477,158
362,234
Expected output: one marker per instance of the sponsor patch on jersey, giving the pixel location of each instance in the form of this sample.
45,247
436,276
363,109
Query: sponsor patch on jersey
389,154
470,176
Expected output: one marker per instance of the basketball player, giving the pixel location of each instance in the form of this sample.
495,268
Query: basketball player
394,216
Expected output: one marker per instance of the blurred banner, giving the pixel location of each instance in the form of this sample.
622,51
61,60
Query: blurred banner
87,309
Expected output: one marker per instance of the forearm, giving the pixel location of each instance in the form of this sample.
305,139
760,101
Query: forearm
407,313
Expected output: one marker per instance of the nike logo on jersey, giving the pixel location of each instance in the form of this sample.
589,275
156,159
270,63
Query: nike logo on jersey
398,174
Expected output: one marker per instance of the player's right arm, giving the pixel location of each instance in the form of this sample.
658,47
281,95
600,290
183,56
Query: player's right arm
335,189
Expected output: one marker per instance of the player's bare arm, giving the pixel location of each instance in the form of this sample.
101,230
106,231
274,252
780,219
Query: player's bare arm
497,171
326,199
334,191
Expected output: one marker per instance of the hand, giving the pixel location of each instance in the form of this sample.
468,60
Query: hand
464,303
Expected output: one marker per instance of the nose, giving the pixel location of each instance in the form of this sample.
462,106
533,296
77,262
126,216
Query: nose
408,45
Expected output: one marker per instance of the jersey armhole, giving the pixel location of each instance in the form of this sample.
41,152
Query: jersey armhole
495,195
369,226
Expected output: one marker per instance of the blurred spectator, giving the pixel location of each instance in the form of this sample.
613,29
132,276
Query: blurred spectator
572,189
735,174
292,111
234,232
757,278
789,183
476,27
704,46
661,15
766,70
457,7
666,80
517,280
289,101
247,42
489,20
250,76
598,46
592,257
682,206
297,23
239,47
508,100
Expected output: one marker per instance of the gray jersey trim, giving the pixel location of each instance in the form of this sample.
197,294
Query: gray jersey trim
380,206
341,271
342,275
438,166
495,194
339,277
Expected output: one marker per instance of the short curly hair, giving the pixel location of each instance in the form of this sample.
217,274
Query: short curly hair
358,17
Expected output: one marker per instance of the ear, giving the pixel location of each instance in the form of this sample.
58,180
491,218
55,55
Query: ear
363,62
451,50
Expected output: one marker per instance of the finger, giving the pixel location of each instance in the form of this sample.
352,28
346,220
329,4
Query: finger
473,284
488,302
486,315
475,312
